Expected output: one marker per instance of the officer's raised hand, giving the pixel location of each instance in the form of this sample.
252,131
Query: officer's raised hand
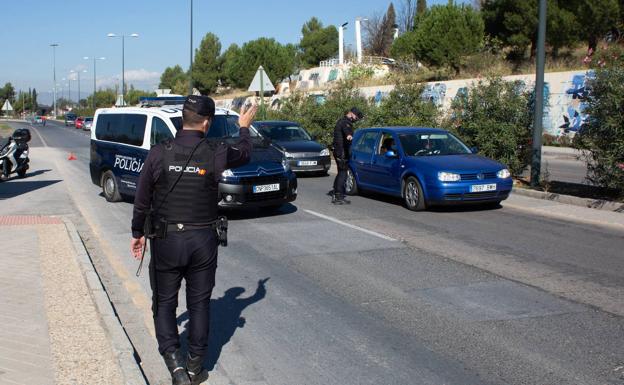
247,115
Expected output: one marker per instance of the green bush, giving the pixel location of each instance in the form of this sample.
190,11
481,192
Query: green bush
602,136
405,106
320,119
495,117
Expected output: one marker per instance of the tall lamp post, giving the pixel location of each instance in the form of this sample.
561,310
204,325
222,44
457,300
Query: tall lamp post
78,76
54,45
123,50
191,52
94,79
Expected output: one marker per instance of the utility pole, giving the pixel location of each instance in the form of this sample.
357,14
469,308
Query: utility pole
536,158
54,45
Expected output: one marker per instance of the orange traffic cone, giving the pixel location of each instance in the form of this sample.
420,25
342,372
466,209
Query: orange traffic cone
72,156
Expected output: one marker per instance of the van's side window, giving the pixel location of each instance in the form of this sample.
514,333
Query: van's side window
160,131
121,128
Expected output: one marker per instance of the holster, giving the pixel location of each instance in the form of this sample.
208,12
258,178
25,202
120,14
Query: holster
155,226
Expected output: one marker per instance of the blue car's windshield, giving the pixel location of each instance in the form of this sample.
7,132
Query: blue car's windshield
287,133
424,144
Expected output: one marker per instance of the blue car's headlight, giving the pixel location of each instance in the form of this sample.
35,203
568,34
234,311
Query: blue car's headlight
288,154
448,177
227,173
286,165
324,152
503,174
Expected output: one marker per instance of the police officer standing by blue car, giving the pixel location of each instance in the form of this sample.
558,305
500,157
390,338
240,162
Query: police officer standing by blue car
343,135
176,207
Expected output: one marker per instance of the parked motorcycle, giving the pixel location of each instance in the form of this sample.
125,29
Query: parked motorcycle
14,153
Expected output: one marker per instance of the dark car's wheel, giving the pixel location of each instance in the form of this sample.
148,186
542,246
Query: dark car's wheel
351,187
110,188
413,194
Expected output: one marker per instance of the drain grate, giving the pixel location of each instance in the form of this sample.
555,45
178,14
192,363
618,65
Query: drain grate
16,220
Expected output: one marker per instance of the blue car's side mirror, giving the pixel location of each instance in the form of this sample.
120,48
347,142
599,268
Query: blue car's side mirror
474,150
391,154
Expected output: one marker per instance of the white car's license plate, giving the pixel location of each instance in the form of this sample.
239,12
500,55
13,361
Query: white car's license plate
266,188
483,187
307,163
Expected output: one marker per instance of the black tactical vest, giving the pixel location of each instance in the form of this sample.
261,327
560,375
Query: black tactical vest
194,200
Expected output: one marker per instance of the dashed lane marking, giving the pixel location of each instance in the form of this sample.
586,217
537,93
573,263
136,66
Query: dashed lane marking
354,227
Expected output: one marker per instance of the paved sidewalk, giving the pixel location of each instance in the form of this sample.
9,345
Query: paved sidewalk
51,327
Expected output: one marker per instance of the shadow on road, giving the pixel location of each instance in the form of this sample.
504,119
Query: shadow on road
460,207
225,318
10,189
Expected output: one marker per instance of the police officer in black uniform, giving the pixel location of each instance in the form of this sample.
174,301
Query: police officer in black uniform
343,135
177,196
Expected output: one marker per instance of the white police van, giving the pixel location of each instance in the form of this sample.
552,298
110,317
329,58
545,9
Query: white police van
122,137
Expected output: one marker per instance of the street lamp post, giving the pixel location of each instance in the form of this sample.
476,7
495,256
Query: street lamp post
94,79
54,45
78,76
191,52
123,80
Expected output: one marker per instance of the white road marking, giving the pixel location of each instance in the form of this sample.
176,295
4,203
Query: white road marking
39,135
358,228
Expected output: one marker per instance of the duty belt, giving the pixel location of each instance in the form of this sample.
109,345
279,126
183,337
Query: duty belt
190,226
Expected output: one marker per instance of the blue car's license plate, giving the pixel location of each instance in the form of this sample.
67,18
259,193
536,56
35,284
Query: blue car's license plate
483,187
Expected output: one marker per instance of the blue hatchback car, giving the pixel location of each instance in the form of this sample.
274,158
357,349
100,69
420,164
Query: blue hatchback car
424,166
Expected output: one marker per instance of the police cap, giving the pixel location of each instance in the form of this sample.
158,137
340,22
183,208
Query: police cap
356,111
201,105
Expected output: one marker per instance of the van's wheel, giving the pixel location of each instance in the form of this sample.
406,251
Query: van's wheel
413,194
351,187
110,188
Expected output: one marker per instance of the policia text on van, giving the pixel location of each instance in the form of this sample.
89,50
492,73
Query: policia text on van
121,139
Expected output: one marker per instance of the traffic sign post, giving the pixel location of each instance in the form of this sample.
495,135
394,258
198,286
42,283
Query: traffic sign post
7,107
261,83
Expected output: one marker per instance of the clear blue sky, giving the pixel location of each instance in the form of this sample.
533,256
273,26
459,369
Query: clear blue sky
28,27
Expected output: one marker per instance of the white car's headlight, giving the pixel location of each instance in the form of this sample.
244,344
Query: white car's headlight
324,152
448,177
227,173
503,174
286,165
288,154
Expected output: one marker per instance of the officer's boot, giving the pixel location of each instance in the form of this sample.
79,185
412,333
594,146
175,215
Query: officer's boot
175,364
196,371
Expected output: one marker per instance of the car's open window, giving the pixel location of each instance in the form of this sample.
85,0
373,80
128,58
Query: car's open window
386,144
366,144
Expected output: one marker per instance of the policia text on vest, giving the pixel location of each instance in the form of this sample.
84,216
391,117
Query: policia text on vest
178,187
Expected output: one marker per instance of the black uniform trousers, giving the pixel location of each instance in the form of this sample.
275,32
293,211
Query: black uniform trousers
190,255
341,176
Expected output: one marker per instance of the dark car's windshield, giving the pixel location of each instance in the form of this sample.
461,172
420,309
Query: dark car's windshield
423,144
285,133
223,126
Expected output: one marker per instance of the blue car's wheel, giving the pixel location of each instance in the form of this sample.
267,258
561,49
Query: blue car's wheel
413,194
351,187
